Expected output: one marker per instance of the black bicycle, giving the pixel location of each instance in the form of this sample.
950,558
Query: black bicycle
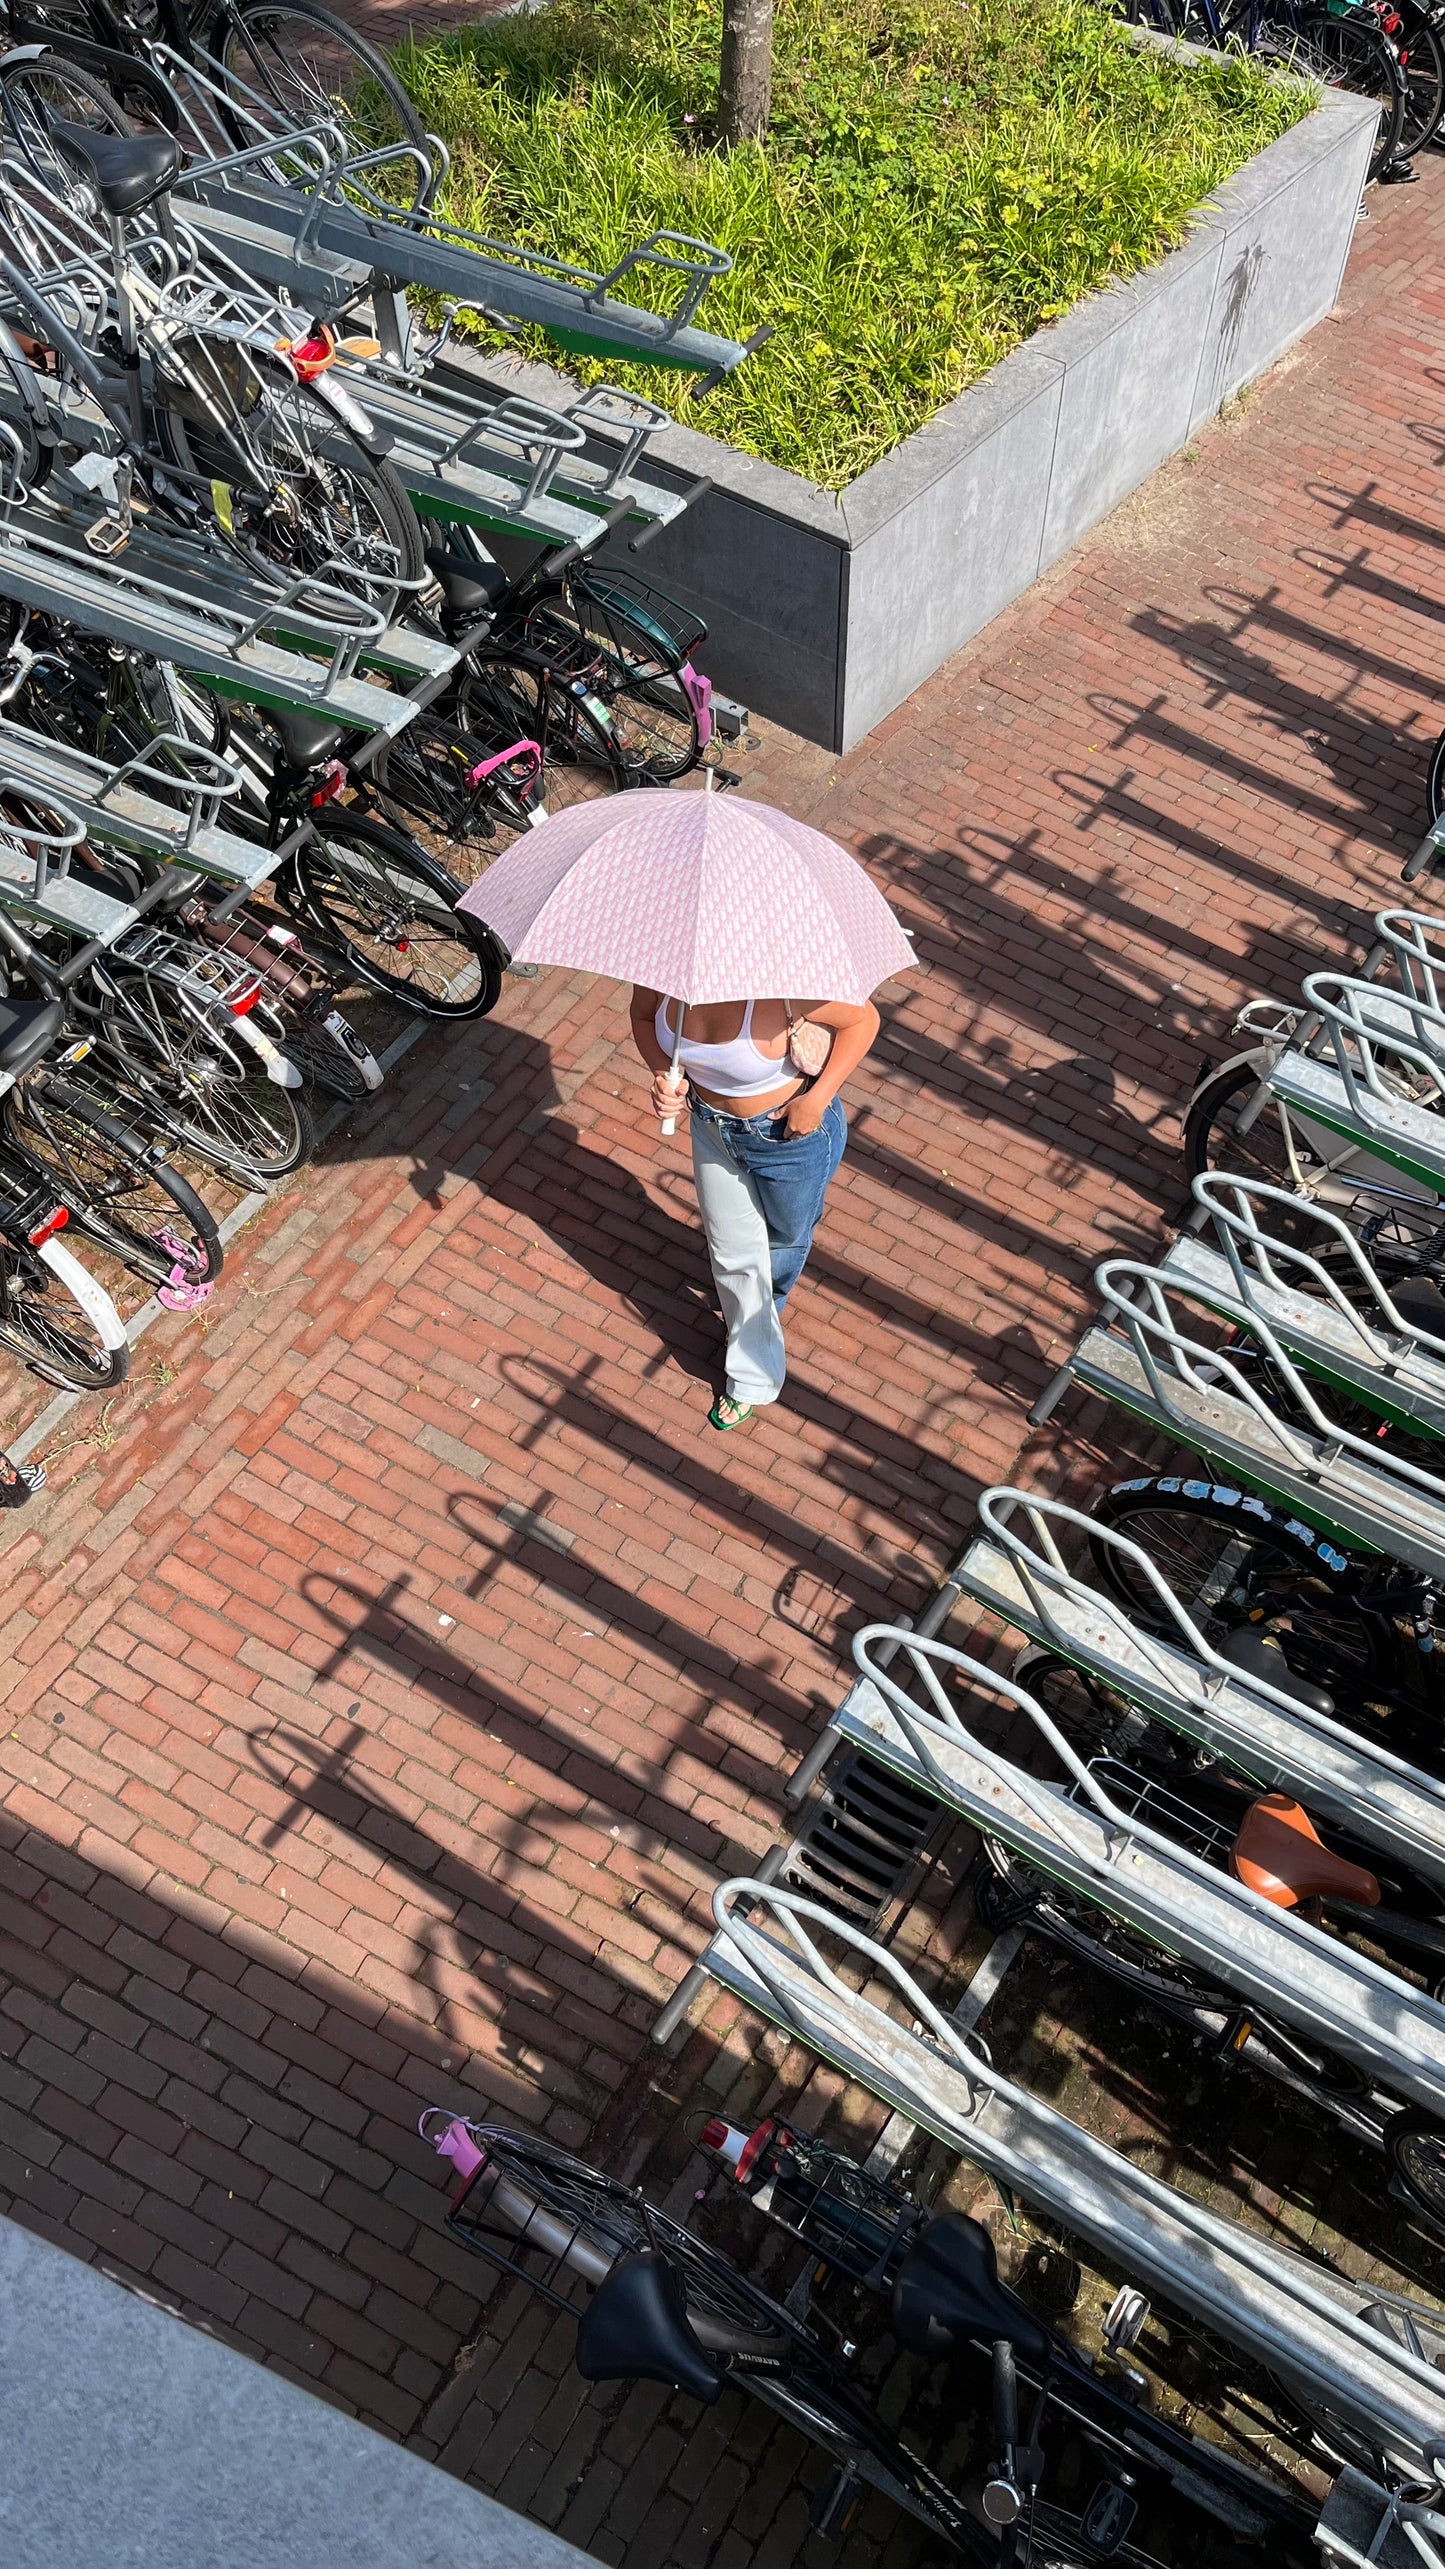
656,2303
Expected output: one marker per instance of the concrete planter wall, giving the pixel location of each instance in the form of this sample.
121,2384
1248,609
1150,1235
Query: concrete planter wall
825,612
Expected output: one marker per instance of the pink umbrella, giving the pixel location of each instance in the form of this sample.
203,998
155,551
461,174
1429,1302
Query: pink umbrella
703,896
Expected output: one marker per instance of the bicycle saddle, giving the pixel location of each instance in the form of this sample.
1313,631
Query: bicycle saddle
1278,1853
127,171
947,2291
28,1028
469,587
1257,1655
636,2329
306,739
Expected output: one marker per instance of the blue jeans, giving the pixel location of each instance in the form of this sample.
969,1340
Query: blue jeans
760,1193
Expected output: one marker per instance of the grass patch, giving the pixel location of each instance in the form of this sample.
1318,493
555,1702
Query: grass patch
940,177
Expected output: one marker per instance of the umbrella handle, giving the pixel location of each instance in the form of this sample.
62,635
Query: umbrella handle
669,1122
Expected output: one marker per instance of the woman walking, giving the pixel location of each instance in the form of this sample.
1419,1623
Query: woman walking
761,1080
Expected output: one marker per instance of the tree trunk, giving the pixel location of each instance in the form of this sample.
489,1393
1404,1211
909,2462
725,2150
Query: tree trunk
746,85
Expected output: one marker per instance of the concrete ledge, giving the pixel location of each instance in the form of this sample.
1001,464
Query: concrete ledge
135,2442
824,611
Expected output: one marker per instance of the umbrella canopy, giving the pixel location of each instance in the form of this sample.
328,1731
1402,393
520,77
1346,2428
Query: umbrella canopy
700,895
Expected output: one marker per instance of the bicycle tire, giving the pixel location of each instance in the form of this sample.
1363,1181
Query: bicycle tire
1278,1574
1423,63
506,696
49,1326
654,722
375,894
254,35
1278,1148
349,502
1354,53
1415,2149
52,1125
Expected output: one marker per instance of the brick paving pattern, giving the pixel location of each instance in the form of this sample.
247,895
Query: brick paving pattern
398,1662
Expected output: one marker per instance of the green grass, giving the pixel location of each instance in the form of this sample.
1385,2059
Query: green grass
940,177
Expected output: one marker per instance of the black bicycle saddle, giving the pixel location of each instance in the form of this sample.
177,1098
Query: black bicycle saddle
947,2292
127,171
308,738
469,587
1252,1651
636,2329
28,1028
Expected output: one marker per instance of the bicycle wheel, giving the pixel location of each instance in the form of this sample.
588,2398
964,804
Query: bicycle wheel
1229,1129
1415,2148
1351,53
55,1315
427,774
120,1191
391,909
207,1088
296,492
654,723
1232,1561
312,68
504,697
1423,63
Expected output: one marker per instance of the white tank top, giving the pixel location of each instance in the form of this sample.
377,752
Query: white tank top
737,1070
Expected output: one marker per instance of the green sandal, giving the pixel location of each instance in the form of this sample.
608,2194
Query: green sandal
741,1408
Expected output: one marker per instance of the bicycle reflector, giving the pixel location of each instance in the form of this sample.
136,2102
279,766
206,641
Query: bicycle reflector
328,784
53,1222
245,1000
738,2150
310,357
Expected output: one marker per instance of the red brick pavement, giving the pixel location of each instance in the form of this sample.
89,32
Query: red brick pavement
403,1660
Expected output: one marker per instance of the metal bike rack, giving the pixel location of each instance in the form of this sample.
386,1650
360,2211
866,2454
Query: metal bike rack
1384,1359
1143,1358
175,598
1345,1088
1342,2351
36,883
267,228
113,809
1015,1570
1082,1836
1362,2526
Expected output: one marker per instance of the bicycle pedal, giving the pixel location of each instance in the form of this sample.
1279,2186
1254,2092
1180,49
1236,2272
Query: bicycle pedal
108,536
524,971
1107,2518
836,2504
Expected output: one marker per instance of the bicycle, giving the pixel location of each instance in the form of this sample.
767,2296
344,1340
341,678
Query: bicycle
289,62
663,2306
1347,48
365,891
220,423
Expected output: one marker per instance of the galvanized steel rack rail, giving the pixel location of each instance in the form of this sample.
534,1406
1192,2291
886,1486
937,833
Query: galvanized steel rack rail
1340,2351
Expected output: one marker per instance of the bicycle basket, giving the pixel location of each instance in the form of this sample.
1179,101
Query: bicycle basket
625,610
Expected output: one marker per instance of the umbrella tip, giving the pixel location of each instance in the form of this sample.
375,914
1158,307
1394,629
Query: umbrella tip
707,780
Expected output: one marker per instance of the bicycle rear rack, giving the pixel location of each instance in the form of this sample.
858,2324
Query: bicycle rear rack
1385,1360
1337,2347
1083,1836
1270,1737
1142,1358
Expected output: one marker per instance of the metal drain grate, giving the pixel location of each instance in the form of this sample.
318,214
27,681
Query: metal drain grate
864,1833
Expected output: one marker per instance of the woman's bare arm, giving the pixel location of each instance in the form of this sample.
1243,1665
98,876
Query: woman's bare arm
854,1032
